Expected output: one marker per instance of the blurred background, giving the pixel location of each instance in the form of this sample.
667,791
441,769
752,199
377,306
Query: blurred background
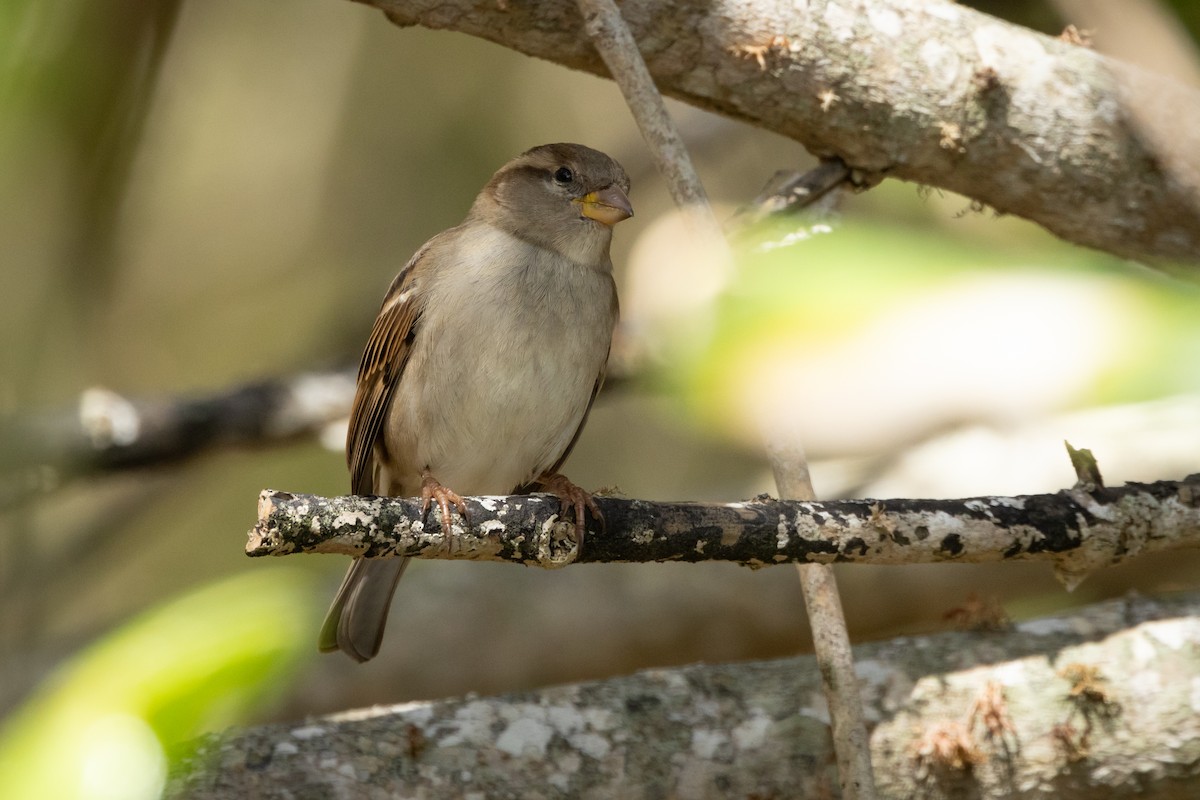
200,195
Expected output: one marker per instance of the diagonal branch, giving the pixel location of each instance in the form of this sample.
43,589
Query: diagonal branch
1078,531
1094,150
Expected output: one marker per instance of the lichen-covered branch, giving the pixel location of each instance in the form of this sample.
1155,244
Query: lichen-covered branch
1096,151
1078,531
1097,704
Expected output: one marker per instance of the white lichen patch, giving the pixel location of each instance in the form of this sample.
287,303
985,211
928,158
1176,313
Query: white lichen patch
351,519
1011,673
979,506
872,672
490,503
1174,633
531,728
566,719
1149,685
706,743
840,22
753,732
525,737
1008,502
885,21
943,11
308,732
471,725
590,744
781,533
942,523
1048,626
806,527
1006,54
489,526
560,781
817,708
941,62
286,749
1141,649
643,536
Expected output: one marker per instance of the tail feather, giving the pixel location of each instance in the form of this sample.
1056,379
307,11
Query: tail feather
355,621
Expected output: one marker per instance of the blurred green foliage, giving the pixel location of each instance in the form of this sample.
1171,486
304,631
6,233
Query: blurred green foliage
801,291
102,725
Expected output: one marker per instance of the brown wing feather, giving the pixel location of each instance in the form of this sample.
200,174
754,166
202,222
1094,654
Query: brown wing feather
383,362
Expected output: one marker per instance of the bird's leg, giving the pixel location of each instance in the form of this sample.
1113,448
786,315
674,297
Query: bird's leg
571,497
431,490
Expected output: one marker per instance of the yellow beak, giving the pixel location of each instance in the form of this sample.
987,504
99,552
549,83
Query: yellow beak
608,205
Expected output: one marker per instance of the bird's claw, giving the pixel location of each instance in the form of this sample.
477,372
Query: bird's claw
432,490
571,497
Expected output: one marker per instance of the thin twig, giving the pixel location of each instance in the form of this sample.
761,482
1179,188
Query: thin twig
616,45
831,639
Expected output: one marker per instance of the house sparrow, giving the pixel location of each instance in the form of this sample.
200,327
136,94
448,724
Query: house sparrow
485,359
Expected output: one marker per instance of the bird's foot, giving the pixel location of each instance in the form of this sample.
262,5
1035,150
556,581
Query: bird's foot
432,490
571,497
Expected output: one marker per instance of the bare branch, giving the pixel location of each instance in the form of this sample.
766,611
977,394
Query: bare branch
1127,668
930,92
108,432
1076,530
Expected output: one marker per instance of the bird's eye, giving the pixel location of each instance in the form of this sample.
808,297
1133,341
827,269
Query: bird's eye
564,175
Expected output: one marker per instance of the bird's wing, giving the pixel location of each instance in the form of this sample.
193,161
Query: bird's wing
382,364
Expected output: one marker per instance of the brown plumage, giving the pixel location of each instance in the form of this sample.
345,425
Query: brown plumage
485,358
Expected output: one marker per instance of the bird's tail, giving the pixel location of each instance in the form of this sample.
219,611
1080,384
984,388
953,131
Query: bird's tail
355,621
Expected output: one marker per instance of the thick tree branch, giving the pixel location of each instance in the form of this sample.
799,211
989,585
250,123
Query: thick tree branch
1098,704
1078,531
1094,150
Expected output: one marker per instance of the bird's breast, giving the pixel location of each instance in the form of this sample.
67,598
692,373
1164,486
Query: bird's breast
513,338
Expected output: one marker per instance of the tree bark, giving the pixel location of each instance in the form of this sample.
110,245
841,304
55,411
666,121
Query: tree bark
1096,151
1098,704
1079,531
